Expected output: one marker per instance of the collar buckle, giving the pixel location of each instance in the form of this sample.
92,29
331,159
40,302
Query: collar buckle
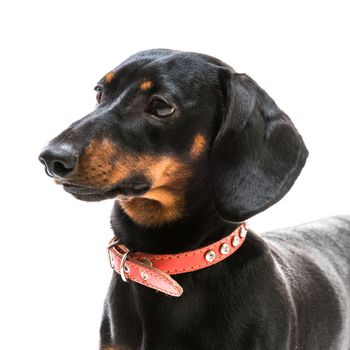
113,243
123,268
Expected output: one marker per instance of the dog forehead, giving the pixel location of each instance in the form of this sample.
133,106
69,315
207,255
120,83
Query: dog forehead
163,65
164,59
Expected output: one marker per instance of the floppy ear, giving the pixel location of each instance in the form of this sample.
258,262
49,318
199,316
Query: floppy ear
257,154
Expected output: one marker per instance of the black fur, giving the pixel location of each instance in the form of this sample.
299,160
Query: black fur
282,290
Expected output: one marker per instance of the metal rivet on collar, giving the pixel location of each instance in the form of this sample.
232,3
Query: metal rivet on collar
243,232
235,241
144,275
210,255
224,248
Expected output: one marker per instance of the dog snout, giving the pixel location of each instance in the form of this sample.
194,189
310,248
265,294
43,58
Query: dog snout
59,160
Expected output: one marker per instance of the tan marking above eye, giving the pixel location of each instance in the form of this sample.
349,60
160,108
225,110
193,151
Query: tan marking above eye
109,76
146,85
198,145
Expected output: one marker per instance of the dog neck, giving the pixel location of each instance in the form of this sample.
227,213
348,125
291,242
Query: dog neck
200,226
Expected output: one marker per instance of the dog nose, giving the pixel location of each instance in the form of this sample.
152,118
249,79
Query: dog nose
59,161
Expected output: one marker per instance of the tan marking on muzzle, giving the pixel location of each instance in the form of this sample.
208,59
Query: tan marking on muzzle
96,165
198,146
103,165
146,85
109,76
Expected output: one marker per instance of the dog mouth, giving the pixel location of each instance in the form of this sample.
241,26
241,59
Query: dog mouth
92,194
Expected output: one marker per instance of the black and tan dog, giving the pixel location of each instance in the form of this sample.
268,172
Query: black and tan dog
188,148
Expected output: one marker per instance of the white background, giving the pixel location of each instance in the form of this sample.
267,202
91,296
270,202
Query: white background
54,270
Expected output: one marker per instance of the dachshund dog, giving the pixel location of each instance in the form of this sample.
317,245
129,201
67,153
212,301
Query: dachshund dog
189,149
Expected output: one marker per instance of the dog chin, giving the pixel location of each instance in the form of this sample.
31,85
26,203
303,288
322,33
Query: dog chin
119,191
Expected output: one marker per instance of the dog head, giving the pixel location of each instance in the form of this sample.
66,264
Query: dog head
167,121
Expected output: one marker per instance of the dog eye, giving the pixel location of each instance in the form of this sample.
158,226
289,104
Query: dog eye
99,92
159,108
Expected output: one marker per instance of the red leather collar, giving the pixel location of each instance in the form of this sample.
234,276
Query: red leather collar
154,270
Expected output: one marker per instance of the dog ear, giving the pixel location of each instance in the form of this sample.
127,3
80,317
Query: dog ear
257,154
